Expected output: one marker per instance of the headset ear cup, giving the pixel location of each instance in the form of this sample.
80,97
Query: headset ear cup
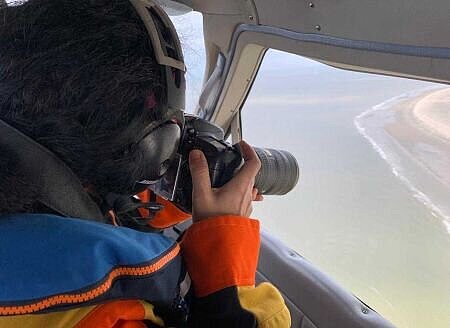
175,88
158,150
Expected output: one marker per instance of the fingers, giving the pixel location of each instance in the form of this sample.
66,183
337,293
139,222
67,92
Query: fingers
198,165
254,193
234,198
256,197
246,175
252,162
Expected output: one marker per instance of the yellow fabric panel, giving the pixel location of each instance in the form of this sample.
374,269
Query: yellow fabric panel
266,304
63,319
150,314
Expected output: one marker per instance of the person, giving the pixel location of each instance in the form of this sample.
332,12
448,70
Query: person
80,89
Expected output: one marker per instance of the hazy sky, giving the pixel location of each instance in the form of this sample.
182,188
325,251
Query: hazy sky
190,31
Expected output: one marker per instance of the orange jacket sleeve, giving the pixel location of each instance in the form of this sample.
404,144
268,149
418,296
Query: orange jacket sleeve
221,252
221,256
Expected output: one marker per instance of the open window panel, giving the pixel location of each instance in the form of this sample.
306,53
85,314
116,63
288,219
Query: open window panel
407,39
373,190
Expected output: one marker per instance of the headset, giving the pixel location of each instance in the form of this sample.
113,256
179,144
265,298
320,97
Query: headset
157,143
160,140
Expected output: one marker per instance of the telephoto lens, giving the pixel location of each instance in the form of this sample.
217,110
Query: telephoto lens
279,172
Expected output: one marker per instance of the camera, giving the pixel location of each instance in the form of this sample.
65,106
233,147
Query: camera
278,175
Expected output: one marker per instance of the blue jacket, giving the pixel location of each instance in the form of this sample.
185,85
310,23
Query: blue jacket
63,272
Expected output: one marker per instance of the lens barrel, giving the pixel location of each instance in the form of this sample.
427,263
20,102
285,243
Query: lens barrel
279,172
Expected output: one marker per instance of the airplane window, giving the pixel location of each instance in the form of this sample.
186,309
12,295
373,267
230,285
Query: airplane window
190,30
372,207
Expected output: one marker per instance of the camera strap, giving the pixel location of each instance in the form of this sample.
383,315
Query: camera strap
126,211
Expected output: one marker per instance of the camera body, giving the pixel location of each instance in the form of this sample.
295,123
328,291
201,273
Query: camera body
223,162
278,175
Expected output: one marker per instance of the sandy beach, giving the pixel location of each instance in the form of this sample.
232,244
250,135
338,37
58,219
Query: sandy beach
412,134
421,129
433,112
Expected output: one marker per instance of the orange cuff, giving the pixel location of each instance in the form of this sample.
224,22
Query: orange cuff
221,252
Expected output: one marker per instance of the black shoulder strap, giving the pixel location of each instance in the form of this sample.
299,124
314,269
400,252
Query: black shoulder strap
58,187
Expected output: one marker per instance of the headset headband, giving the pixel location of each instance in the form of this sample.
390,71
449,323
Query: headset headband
167,52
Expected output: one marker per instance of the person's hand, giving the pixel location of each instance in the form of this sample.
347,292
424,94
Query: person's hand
234,198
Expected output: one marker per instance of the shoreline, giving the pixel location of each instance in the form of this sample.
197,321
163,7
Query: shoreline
410,133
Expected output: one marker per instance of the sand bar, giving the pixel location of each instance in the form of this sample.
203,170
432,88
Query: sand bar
422,129
418,147
433,112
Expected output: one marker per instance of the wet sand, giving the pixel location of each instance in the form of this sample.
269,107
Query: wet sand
421,129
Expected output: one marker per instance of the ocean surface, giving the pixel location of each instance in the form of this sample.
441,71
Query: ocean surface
355,212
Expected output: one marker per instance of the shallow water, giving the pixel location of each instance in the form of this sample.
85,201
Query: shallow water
349,215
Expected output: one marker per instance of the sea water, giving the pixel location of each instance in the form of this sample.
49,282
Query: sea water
354,213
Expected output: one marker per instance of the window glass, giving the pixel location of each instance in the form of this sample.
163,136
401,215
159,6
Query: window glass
190,30
372,206
13,3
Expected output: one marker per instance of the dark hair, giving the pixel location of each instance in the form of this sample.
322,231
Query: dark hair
74,75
